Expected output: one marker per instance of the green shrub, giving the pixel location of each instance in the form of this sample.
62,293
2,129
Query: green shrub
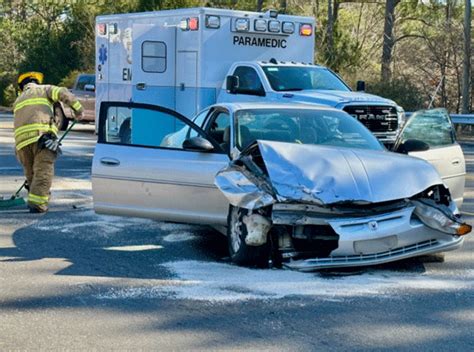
9,95
69,80
6,79
402,91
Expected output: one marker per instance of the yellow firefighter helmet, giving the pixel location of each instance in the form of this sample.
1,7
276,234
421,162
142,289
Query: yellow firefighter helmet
38,76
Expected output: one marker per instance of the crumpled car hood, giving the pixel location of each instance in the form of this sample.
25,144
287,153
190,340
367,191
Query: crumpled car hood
328,175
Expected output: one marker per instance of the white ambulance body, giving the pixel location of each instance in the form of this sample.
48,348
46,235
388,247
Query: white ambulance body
183,59
179,58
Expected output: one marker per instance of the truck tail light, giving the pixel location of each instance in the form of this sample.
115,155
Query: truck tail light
189,24
306,30
193,23
213,22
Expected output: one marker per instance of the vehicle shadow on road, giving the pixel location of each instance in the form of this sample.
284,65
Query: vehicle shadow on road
117,247
112,246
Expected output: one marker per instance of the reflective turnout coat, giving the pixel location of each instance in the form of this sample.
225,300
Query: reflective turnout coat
34,112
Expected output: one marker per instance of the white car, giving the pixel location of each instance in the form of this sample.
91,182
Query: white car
309,187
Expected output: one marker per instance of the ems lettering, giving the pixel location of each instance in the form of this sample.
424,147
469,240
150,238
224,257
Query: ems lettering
126,74
259,41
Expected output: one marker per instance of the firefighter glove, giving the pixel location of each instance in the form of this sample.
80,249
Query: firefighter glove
51,142
79,116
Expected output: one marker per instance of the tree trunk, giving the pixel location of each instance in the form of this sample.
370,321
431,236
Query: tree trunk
259,5
388,40
466,72
445,60
283,6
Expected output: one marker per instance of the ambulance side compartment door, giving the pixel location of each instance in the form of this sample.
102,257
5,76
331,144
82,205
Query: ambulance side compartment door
153,56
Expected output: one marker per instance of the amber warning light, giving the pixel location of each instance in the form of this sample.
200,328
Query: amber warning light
306,30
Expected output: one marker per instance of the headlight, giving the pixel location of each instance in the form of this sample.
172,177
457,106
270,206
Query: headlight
440,218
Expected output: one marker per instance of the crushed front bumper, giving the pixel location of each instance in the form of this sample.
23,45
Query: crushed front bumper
370,240
414,250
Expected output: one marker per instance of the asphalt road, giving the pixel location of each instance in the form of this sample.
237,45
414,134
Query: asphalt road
71,279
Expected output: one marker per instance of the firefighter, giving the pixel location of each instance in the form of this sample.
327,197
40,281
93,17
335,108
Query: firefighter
36,134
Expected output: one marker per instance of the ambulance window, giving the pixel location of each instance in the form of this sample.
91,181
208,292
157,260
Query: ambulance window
249,82
154,57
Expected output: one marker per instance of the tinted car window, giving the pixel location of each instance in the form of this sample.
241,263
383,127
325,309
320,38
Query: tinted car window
303,126
83,80
249,82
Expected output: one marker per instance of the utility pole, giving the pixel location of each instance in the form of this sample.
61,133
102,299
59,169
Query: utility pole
330,34
466,72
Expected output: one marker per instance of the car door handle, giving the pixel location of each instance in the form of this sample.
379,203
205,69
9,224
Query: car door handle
456,162
110,162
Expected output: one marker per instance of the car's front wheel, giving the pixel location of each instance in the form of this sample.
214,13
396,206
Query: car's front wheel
239,251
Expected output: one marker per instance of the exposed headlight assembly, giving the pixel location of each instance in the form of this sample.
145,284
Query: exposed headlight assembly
440,217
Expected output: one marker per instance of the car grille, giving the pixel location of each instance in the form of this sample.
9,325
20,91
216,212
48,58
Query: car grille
375,118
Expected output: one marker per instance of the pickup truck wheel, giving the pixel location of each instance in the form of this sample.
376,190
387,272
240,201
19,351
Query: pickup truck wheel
61,121
239,251
125,133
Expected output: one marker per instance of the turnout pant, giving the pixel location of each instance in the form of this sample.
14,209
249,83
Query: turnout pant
38,166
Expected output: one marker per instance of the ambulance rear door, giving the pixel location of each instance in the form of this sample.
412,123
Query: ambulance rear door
153,74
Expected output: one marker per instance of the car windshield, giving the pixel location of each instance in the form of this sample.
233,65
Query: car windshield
303,126
284,78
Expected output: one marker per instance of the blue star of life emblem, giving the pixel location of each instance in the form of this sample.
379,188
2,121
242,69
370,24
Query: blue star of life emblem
102,54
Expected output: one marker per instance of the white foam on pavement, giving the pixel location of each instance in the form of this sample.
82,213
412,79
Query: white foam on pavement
137,248
219,282
179,237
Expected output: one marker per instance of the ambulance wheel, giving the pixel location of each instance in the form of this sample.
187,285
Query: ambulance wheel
125,133
239,252
61,121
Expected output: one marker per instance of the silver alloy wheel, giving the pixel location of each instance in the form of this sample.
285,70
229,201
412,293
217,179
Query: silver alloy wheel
236,230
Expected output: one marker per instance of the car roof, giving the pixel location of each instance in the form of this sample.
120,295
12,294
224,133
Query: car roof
236,106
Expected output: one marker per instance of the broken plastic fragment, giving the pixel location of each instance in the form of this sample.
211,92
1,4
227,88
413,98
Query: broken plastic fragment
257,229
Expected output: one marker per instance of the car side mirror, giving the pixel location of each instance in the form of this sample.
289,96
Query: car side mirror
198,144
89,88
360,86
232,83
412,145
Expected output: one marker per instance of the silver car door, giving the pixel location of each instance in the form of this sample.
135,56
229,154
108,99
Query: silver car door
435,128
152,174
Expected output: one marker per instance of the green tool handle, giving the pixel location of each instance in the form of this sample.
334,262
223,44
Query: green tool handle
67,131
59,141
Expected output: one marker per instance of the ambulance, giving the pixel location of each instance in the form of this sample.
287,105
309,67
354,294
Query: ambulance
188,59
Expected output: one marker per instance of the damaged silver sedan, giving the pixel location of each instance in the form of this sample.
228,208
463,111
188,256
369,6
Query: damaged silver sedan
302,186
